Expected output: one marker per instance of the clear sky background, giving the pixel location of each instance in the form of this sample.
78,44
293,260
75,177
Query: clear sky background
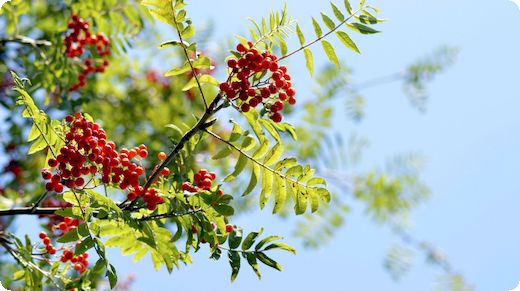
469,134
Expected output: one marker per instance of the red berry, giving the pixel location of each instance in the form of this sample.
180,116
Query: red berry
58,188
52,163
229,228
245,107
42,235
161,156
241,48
143,153
165,171
277,117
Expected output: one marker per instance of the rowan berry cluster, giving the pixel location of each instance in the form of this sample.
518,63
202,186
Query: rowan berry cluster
203,180
80,261
67,224
87,152
47,243
272,89
95,60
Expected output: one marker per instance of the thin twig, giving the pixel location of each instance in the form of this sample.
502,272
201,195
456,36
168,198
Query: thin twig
183,45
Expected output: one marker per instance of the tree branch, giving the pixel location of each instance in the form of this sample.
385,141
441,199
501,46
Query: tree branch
25,41
183,45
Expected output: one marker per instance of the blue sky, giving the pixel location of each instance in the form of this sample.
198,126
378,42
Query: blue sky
469,135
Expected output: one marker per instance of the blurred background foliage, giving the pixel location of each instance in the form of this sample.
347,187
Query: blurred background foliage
135,103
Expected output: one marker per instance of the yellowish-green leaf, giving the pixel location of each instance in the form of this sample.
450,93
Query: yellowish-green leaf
337,12
347,41
280,193
317,28
301,37
329,51
309,60
328,22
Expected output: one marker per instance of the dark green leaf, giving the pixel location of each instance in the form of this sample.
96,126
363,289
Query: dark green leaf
250,239
234,262
224,210
361,28
251,260
268,261
84,246
283,246
235,237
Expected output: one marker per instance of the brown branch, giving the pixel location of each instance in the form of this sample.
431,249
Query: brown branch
25,41
29,211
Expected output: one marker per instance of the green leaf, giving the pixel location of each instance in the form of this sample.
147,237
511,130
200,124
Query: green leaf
172,43
300,197
262,150
235,237
337,12
255,173
226,151
348,7
34,133
37,146
317,28
251,260
280,193
224,209
301,37
266,240
316,181
347,41
282,246
239,167
103,201
361,28
268,261
329,51
234,262
188,32
267,187
273,155
178,71
309,60
328,22
250,239
314,200
74,234
112,276
84,246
